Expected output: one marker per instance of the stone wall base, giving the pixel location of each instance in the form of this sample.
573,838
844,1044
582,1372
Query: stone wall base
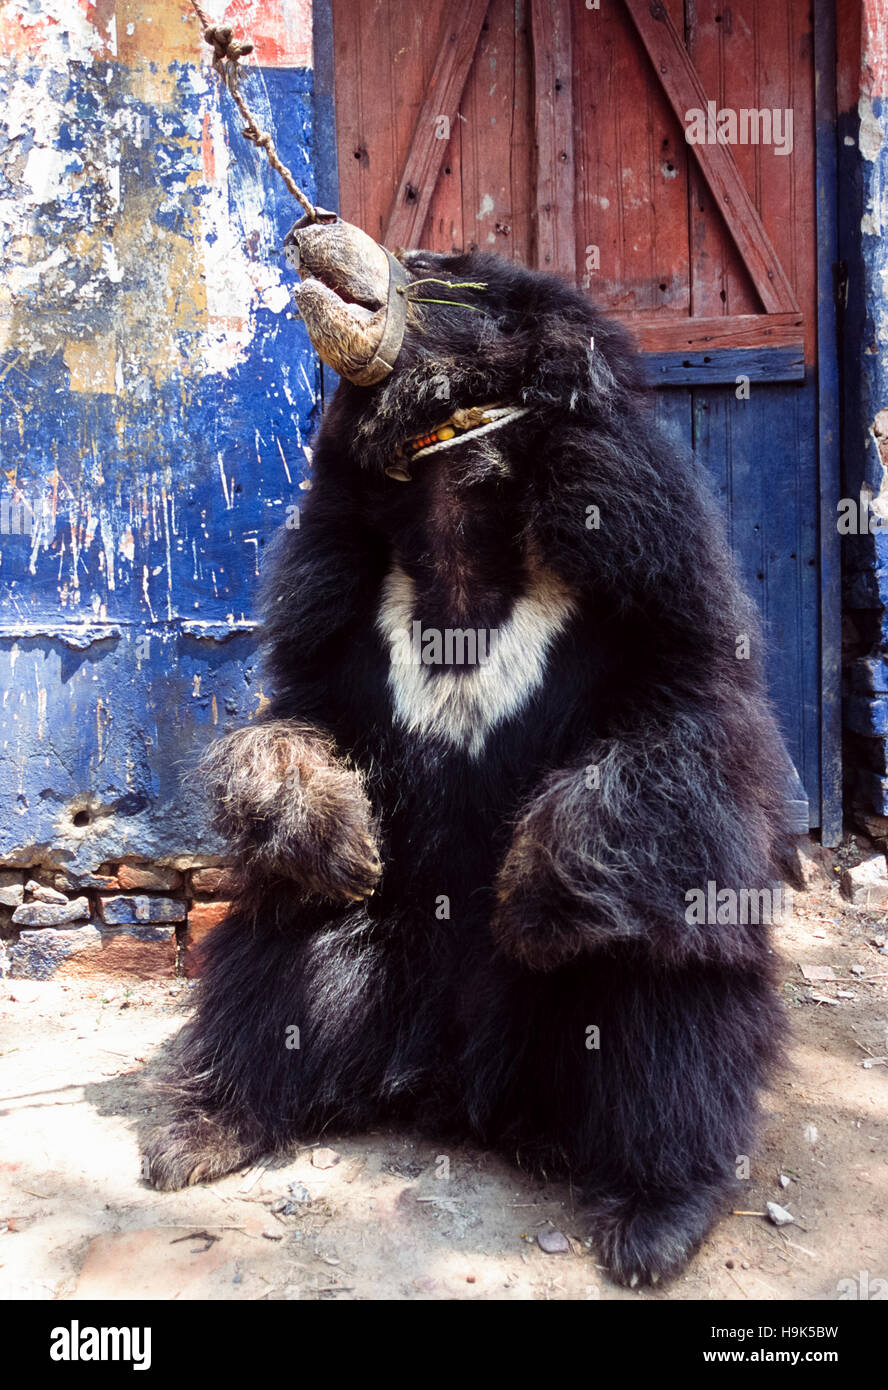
134,920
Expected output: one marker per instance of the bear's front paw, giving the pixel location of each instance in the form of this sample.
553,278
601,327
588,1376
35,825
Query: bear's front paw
290,810
338,855
534,921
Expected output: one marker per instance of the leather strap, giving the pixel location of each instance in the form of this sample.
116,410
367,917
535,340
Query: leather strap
385,356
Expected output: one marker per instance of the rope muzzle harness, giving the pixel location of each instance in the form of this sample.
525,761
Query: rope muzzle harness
473,421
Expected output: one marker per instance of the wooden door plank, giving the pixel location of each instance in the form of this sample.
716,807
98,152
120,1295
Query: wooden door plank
425,155
673,413
785,192
657,333
491,187
682,84
631,170
720,282
379,88
553,123
725,366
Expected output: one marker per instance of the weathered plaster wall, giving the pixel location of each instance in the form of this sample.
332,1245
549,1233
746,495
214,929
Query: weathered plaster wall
157,398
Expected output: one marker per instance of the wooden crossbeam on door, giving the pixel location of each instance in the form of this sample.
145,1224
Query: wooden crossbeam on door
437,116
681,83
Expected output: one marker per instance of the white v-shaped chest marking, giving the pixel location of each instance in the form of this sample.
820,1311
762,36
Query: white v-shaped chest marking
462,707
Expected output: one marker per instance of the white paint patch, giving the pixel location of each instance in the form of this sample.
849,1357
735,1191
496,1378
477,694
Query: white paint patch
235,282
462,708
110,264
870,138
45,174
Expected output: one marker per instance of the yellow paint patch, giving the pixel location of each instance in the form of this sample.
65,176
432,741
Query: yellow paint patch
93,365
163,32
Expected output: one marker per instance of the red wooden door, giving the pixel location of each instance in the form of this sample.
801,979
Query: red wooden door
559,135
556,134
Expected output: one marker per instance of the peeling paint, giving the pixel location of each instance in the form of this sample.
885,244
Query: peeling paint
121,207
216,632
871,135
76,636
157,396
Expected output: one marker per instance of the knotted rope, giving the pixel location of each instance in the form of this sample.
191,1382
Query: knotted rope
227,52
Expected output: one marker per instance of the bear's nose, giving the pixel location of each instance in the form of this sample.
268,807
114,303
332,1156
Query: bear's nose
292,251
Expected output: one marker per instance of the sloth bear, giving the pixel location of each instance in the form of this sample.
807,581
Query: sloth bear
512,732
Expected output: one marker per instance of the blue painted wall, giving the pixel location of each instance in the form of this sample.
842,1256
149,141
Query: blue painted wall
863,225
157,400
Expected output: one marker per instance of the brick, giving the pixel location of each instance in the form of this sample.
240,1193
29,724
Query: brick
51,914
875,789
876,827
867,716
867,883
123,911
869,675
871,753
148,876
55,878
140,952
144,952
53,954
202,919
212,881
193,861
108,882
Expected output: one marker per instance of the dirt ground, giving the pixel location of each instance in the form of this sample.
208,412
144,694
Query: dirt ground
77,1220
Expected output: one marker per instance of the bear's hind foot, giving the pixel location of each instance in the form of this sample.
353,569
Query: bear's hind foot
193,1150
648,1238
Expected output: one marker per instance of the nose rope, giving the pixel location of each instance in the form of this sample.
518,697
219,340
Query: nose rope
227,52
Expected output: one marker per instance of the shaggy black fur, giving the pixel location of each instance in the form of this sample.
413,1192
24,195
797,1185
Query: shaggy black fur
566,889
